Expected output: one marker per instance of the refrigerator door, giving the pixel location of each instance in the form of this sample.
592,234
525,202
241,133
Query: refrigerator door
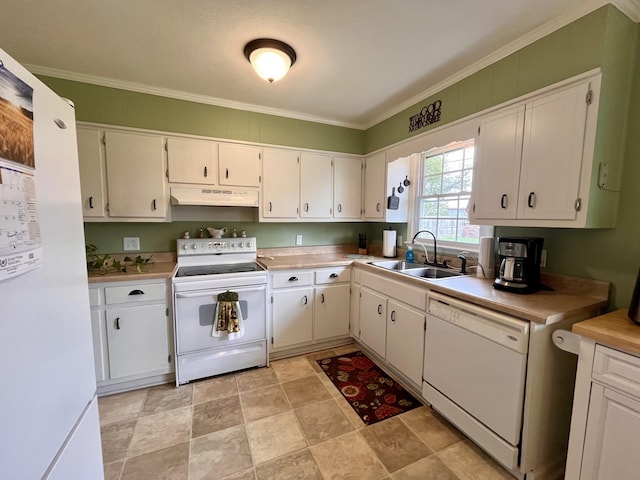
46,353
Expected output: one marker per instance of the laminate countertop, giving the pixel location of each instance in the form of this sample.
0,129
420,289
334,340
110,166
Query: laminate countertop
571,297
614,329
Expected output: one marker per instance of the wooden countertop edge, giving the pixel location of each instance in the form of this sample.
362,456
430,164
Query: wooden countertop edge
613,329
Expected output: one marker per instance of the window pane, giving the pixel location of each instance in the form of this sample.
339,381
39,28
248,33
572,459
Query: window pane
464,201
452,182
467,180
427,224
432,185
448,207
453,160
433,165
447,230
468,233
429,207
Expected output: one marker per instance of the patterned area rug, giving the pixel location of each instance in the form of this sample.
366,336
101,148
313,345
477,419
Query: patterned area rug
372,393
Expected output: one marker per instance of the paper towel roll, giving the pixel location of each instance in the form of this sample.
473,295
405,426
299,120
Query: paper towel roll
388,243
486,257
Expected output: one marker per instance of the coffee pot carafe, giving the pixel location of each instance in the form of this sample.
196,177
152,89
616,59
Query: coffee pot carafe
519,264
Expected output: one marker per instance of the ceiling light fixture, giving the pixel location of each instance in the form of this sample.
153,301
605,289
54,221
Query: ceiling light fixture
271,59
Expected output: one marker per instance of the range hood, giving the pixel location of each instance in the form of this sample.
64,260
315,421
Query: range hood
215,196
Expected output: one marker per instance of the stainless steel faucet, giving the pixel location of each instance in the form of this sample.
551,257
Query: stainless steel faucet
435,248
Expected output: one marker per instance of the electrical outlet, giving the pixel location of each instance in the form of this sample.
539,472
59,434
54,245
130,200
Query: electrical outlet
543,258
131,244
298,239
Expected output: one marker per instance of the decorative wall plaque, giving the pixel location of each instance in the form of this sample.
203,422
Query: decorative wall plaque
428,115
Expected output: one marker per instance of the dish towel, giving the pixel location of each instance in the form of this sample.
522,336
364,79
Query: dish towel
228,321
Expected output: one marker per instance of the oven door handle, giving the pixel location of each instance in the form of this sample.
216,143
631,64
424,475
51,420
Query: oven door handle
209,293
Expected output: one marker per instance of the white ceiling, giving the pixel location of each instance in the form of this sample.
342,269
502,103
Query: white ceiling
359,61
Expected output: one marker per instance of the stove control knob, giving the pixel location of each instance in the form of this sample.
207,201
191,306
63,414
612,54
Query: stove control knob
233,245
240,245
248,244
194,246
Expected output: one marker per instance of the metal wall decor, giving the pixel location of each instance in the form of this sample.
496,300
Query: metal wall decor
428,115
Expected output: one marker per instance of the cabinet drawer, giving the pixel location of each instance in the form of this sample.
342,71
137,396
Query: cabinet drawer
333,275
95,297
136,293
618,370
291,279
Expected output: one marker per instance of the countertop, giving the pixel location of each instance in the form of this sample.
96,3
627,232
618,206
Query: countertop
162,268
571,296
613,329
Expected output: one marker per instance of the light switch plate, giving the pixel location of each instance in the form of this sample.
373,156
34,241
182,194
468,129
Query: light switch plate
131,244
298,239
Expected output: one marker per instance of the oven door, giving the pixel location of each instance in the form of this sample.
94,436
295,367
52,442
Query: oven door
194,315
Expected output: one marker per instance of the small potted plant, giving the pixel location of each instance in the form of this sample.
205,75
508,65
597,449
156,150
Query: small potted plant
139,262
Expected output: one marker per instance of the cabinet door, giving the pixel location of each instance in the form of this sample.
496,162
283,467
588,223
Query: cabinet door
92,172
347,187
136,175
374,186
292,316
138,339
239,165
496,172
331,312
552,154
281,183
192,161
354,311
316,185
99,335
405,340
373,324
611,439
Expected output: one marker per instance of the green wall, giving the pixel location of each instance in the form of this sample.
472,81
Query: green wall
113,106
160,237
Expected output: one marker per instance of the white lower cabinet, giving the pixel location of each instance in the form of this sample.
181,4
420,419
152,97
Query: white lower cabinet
309,307
132,334
392,319
608,448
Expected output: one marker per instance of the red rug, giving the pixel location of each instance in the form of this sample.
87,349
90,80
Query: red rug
372,393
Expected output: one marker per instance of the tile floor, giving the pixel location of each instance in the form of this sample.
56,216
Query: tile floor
287,421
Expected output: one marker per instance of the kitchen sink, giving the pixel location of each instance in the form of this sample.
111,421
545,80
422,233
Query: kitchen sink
419,270
430,272
398,265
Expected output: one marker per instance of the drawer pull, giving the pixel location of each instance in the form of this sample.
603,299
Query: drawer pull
531,200
322,299
205,171
378,207
117,321
333,275
306,207
90,202
379,309
293,279
504,201
136,292
393,315
306,300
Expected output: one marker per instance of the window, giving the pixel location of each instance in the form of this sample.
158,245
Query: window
445,189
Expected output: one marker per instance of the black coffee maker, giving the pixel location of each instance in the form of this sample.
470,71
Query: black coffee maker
519,264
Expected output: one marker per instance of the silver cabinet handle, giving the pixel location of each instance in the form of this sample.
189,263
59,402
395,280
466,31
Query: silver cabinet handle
393,316
379,309
117,321
504,201
136,292
293,279
531,200
306,300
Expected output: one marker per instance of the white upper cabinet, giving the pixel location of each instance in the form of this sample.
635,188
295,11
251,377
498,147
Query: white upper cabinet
192,161
347,187
281,186
316,185
534,159
374,186
239,165
136,175
93,181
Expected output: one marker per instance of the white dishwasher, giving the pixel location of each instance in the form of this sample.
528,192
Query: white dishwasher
474,372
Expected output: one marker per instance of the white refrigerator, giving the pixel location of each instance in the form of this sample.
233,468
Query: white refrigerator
49,425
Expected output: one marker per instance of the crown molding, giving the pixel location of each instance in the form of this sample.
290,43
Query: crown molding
181,95
631,8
